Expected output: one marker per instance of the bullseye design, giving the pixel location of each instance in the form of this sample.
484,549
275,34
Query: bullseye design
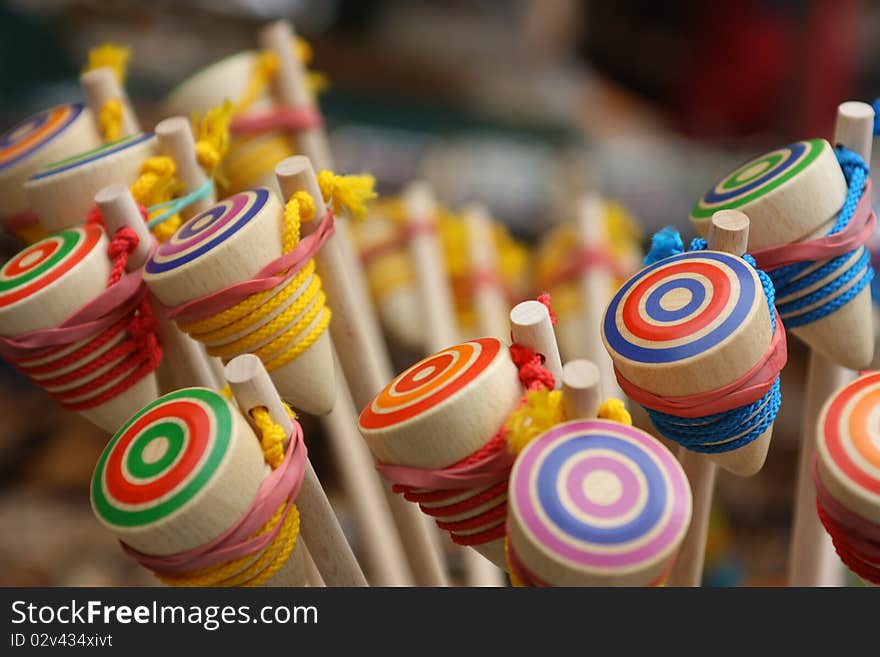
680,307
162,457
849,446
32,134
88,157
601,496
44,262
205,231
758,177
430,382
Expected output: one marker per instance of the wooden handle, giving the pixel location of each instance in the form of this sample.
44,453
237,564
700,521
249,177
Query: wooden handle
531,326
581,392
119,210
489,300
100,85
252,387
176,140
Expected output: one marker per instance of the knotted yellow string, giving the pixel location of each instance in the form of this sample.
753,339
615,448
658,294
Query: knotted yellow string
254,570
110,115
158,184
613,409
211,132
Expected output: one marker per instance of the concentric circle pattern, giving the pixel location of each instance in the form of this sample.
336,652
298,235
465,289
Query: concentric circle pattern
45,262
83,159
680,307
849,444
601,496
758,177
429,382
205,231
30,135
162,457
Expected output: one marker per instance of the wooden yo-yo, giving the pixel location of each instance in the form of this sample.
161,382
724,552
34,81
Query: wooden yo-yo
691,324
44,285
229,244
180,474
794,194
847,474
438,413
31,145
63,194
595,503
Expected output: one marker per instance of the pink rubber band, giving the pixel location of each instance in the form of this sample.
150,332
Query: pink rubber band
485,472
276,272
750,387
103,311
582,260
862,533
280,486
854,234
287,119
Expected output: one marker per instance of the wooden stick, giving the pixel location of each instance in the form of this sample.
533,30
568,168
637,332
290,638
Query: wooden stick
252,387
581,392
100,85
384,554
531,326
176,141
183,363
595,287
812,559
367,369
489,301
729,232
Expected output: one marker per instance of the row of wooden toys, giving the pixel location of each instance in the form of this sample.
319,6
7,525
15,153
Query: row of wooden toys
240,278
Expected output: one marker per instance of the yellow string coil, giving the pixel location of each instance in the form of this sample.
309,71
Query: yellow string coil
110,120
304,318
211,132
157,184
111,55
541,411
613,409
254,570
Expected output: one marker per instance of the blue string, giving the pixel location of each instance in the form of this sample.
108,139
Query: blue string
791,279
175,205
712,434
876,117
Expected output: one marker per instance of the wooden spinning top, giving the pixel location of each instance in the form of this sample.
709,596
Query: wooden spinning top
794,194
596,503
40,288
181,472
690,324
230,243
33,144
63,194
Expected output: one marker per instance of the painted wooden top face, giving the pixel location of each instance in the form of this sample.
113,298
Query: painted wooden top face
205,231
89,157
162,458
758,177
29,136
45,262
848,447
680,307
600,497
431,382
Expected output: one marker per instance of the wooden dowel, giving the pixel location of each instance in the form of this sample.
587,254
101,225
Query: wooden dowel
489,300
252,387
531,326
581,390
184,363
441,328
100,85
595,288
812,559
366,368
177,142
729,232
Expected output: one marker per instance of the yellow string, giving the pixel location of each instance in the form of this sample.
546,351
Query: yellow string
111,55
613,409
542,410
157,184
110,120
347,193
211,133
253,570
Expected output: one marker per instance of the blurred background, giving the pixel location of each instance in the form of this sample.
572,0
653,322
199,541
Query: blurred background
519,104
